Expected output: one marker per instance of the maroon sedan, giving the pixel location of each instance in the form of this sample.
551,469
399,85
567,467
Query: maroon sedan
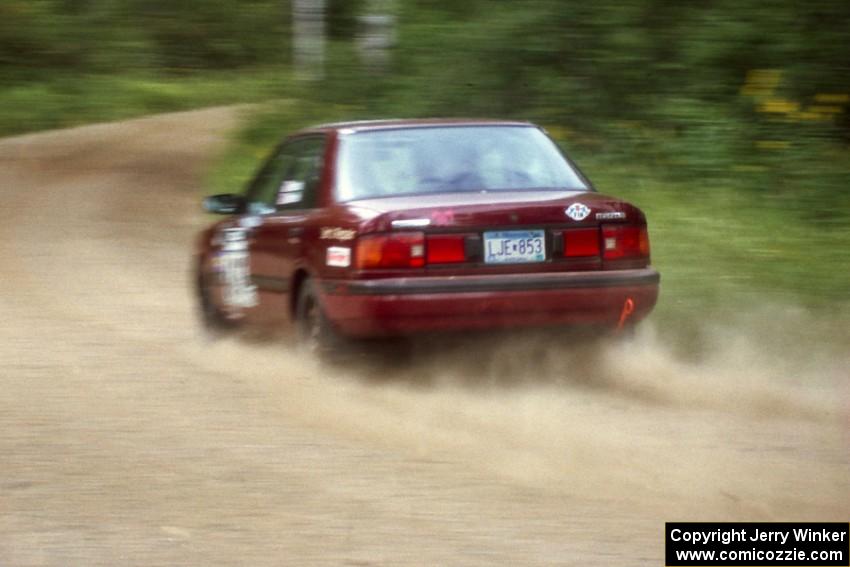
393,228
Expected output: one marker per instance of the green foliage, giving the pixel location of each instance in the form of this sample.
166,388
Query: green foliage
735,92
200,34
342,18
674,71
114,36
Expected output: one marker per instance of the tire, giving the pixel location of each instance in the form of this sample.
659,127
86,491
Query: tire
315,332
213,321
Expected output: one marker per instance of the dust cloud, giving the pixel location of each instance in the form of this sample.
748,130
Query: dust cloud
529,406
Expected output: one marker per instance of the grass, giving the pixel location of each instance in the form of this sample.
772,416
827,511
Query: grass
735,242
64,101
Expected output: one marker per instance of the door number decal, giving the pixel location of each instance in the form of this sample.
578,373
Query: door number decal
234,263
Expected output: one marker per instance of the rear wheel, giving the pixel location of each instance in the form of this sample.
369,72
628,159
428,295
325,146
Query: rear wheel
316,334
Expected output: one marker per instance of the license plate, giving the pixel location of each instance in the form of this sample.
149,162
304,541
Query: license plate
514,247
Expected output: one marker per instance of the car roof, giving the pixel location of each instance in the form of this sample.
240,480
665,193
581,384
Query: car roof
400,123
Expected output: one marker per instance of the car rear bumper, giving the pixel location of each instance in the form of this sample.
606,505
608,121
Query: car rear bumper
402,306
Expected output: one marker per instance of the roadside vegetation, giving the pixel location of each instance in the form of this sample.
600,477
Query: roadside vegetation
727,123
70,62
63,102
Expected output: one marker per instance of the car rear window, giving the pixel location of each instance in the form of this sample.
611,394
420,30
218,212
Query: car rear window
441,159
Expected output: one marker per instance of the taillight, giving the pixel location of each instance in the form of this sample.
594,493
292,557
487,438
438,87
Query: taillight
446,249
624,241
396,250
581,242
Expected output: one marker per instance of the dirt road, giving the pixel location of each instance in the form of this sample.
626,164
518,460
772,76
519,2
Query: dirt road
126,439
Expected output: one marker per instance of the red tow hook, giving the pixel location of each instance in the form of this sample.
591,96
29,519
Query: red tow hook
628,309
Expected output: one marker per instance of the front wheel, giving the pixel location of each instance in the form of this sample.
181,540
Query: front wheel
213,322
316,334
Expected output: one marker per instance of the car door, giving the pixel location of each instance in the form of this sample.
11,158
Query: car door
278,215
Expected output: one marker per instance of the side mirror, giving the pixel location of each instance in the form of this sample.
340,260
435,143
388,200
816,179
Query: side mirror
224,204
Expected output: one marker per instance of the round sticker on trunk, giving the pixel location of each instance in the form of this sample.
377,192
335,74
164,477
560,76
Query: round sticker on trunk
578,211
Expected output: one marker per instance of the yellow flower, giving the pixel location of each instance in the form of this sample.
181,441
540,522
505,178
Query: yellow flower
807,115
764,78
829,98
823,109
779,106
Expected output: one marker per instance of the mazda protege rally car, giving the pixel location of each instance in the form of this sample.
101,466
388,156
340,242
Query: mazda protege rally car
392,228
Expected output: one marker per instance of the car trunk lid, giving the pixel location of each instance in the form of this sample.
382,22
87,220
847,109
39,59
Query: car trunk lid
516,231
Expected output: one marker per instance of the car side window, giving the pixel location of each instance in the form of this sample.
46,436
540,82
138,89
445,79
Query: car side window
299,186
289,179
262,191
